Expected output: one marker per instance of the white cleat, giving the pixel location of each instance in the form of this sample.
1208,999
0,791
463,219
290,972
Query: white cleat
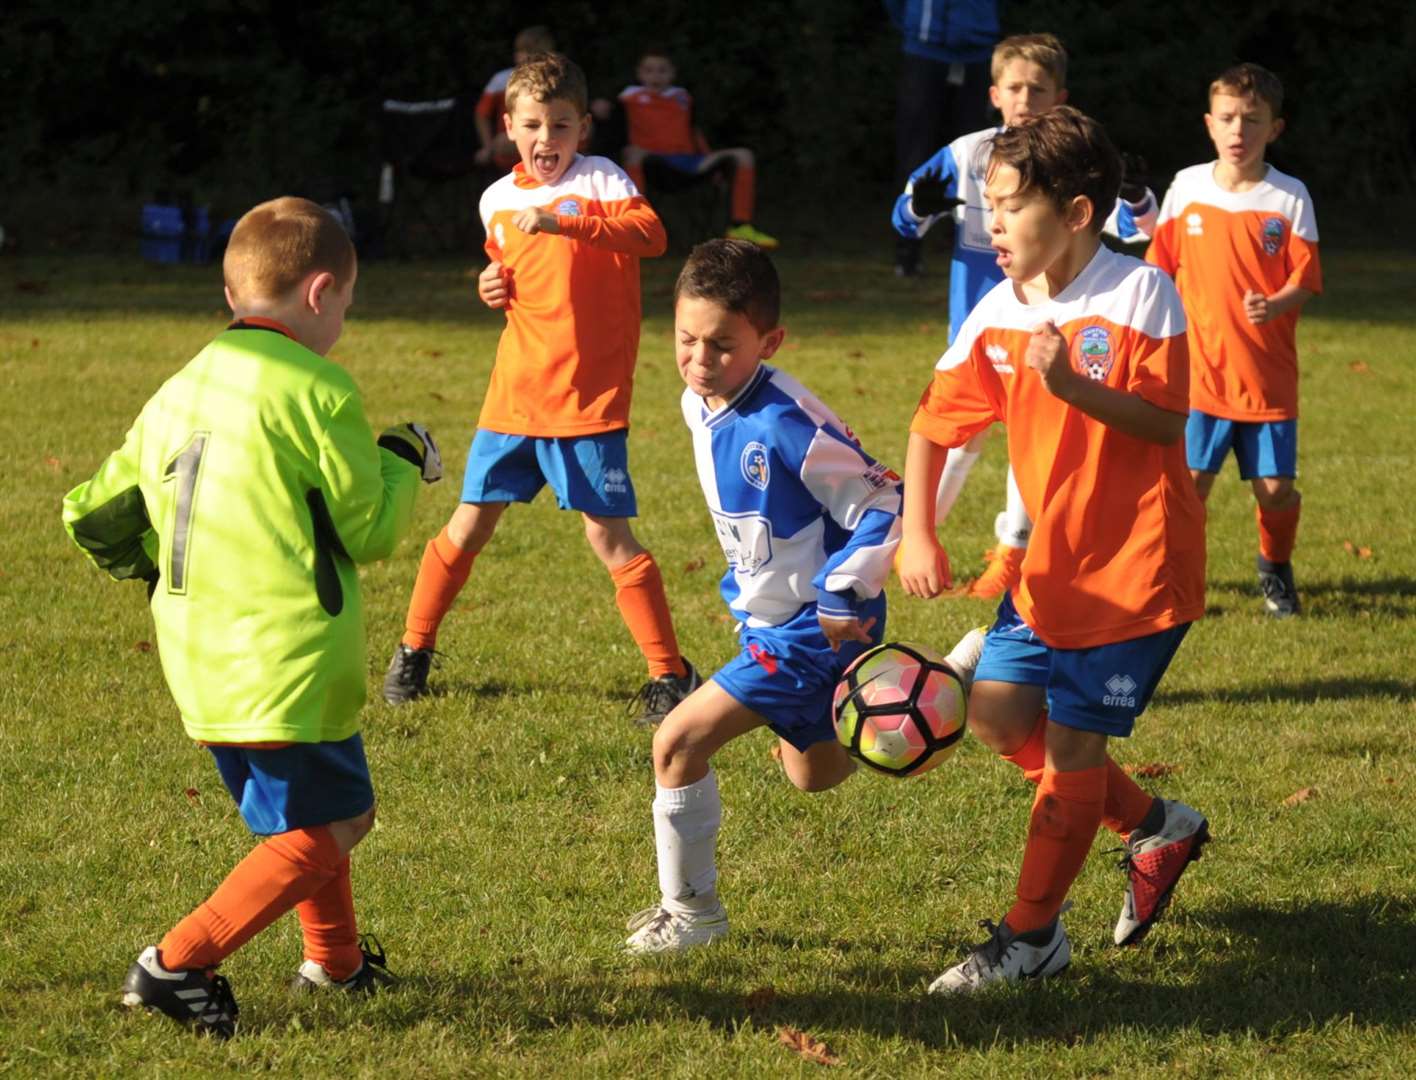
658,930
1009,957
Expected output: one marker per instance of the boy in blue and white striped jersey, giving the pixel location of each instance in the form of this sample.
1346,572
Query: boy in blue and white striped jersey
808,523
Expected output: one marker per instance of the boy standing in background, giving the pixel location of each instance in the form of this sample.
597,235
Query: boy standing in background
1241,240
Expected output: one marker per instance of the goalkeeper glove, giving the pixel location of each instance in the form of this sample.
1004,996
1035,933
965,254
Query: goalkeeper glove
1133,178
930,196
414,444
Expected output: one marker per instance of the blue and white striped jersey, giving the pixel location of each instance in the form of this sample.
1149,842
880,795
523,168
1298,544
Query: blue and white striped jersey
974,271
803,514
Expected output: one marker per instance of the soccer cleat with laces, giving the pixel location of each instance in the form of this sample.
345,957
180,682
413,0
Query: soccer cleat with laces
745,231
1009,957
1153,864
1276,583
198,998
658,696
1005,569
658,930
373,973
407,675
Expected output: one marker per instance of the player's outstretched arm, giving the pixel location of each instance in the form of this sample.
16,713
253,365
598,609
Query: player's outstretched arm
923,565
368,490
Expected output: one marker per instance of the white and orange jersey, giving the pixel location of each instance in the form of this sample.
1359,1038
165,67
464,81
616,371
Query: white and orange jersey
565,363
1218,245
660,121
1118,543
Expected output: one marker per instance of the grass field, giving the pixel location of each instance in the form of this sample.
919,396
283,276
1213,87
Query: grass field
514,835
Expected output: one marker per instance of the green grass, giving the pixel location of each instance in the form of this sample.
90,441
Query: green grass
514,834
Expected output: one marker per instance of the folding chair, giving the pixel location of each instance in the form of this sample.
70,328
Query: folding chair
429,182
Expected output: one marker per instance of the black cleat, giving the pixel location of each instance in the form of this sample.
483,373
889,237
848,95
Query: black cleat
659,696
1276,582
407,675
373,973
199,999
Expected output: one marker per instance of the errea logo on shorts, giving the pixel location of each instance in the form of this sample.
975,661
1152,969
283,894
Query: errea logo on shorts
1121,691
616,482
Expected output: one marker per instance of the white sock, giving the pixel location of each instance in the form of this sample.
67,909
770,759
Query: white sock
1013,526
957,465
686,824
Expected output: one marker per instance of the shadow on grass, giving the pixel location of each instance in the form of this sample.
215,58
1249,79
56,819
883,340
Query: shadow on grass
1305,691
1282,968
1390,597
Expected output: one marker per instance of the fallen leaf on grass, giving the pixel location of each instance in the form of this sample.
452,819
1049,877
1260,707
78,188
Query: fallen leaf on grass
1360,550
142,646
193,796
813,1050
1150,771
856,354
55,465
761,998
1359,366
776,752
693,566
1302,795
436,396
34,343
432,353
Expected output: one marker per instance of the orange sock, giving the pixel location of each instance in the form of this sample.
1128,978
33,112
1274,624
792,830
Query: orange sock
636,173
1065,817
744,193
639,592
331,932
441,575
272,879
1127,803
1278,532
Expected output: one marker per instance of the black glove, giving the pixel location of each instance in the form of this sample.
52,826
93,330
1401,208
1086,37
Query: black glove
1134,178
930,196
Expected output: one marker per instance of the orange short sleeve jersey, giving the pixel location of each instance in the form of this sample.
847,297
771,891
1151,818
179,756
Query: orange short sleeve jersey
1118,543
565,362
660,121
1218,244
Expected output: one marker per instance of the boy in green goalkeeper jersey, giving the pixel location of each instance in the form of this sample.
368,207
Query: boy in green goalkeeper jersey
244,494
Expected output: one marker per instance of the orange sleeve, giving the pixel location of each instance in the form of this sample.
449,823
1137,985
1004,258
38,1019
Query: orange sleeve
959,402
1304,269
630,227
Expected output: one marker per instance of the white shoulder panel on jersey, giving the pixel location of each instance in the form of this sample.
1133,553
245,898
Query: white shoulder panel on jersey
595,179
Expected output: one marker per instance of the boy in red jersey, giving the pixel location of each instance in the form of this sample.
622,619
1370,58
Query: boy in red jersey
1241,241
660,119
1081,353
565,234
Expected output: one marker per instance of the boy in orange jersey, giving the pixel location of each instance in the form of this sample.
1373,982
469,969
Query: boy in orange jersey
495,147
660,119
1081,353
565,234
1241,241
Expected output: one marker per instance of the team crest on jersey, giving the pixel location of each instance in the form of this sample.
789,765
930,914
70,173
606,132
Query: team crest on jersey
500,234
754,465
1273,235
568,207
998,357
1194,224
1093,353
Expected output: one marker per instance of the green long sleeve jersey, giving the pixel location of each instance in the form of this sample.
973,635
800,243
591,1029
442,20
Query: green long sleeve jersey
250,486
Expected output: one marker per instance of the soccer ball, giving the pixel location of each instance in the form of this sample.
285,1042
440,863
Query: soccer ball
900,709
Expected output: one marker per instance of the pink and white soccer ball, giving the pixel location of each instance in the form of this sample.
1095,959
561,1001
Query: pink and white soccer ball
900,709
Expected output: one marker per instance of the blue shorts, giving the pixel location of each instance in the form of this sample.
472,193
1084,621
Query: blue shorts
684,163
297,786
589,473
1101,689
788,673
1262,448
